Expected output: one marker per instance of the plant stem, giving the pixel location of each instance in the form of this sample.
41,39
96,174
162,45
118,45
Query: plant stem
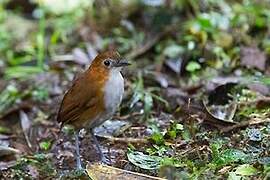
40,40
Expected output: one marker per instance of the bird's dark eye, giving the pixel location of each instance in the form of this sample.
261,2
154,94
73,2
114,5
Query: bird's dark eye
107,63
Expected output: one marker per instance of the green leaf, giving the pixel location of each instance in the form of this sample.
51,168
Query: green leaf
148,103
215,150
158,138
186,135
138,91
166,161
179,127
233,176
8,97
228,156
193,66
172,134
204,22
21,71
233,155
246,170
40,157
173,51
144,161
45,145
4,130
174,130
157,150
264,80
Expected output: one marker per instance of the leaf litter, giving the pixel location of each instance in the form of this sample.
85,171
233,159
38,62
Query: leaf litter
196,103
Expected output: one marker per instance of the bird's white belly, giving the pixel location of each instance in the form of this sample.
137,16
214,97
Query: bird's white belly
114,90
113,93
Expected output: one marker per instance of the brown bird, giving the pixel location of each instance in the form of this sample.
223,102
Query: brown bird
94,96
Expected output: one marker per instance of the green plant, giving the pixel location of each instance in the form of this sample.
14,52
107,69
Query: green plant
146,96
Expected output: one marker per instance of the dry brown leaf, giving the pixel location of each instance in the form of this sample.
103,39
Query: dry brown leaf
99,171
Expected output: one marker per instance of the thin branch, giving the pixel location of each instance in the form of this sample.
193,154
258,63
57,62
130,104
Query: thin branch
127,140
149,43
252,121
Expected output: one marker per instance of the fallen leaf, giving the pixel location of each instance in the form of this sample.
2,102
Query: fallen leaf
254,135
220,80
220,104
264,160
221,94
112,128
175,65
173,51
258,87
246,170
252,57
144,161
26,124
99,171
233,176
80,56
222,112
161,79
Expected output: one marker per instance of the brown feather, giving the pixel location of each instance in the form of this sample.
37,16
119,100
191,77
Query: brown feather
84,101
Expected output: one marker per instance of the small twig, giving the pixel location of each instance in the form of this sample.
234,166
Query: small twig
5,137
252,121
5,150
66,57
149,44
128,116
26,124
127,140
22,106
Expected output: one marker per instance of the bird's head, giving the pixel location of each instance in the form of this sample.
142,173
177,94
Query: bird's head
109,61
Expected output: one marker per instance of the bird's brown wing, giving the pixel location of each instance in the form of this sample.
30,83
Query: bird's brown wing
76,101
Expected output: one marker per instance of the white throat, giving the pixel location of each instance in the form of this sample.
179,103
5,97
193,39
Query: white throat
114,90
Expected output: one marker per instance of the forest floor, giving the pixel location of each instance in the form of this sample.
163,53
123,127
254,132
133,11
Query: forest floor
197,97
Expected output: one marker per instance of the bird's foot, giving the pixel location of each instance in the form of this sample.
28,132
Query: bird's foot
76,174
104,160
79,164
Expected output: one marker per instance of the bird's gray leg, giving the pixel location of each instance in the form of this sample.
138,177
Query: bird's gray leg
102,157
78,156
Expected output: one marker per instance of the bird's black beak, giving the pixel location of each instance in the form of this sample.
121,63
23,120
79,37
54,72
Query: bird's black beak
122,63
